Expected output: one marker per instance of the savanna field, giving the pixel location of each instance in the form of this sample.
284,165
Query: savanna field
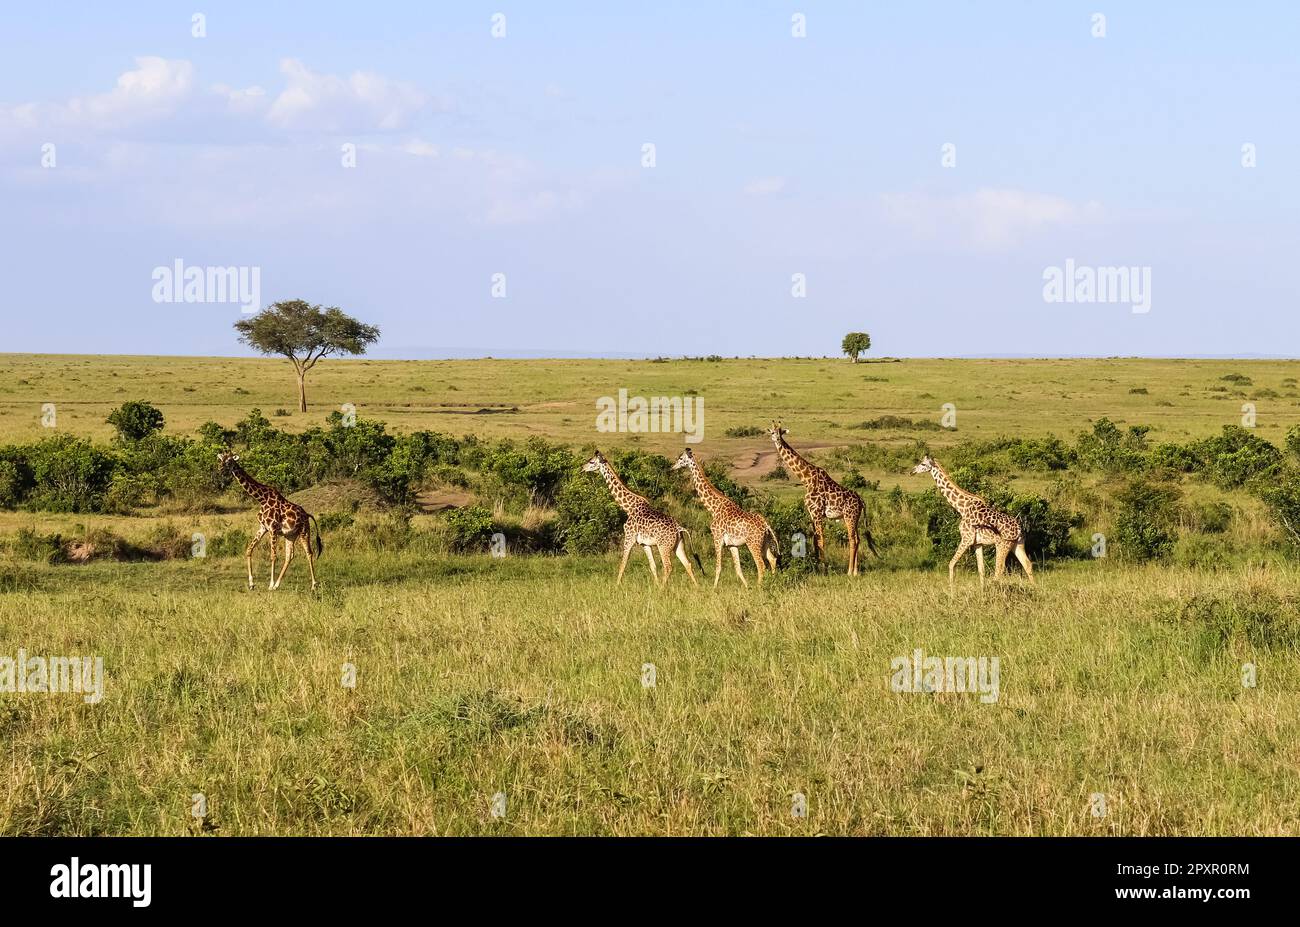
600,710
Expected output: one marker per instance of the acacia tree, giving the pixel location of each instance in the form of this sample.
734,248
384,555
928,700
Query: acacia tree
305,333
855,343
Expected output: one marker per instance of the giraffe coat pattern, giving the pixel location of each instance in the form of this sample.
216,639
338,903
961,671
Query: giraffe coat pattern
278,517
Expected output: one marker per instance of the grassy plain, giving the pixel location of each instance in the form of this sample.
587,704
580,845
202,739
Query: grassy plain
524,675
819,399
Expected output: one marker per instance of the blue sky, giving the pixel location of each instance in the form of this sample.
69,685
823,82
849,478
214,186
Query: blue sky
774,156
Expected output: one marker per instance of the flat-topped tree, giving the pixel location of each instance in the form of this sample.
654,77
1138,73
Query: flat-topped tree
855,343
305,333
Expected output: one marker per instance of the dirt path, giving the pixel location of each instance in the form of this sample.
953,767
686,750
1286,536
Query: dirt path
756,463
435,500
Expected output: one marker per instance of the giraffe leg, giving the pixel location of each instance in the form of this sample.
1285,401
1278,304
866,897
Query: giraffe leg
1000,566
770,553
1025,561
964,546
681,555
852,526
248,554
311,558
628,544
289,548
650,555
271,584
756,551
819,544
717,559
979,562
735,558
666,555
814,511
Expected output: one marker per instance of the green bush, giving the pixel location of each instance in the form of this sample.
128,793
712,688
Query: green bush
1146,522
1282,499
789,518
648,474
1177,457
1046,527
470,528
135,420
899,423
70,475
536,468
1002,454
28,544
1237,456
335,521
11,484
587,519
1110,449
1293,441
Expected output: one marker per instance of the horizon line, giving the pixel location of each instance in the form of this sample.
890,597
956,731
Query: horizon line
468,354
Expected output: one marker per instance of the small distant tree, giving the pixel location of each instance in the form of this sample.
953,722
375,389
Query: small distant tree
305,333
135,420
855,343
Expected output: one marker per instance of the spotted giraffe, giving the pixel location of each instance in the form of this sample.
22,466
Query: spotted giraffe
732,526
277,516
645,524
980,524
823,498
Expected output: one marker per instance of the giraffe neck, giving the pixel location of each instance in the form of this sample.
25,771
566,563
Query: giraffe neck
711,497
793,462
625,497
947,488
258,491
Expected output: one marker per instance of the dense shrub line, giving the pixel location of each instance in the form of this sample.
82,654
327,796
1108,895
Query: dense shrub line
143,466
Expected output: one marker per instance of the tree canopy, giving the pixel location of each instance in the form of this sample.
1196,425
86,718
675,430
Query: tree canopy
305,333
855,343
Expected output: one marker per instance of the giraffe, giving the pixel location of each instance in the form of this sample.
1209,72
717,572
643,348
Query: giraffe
278,516
823,498
980,524
732,526
645,525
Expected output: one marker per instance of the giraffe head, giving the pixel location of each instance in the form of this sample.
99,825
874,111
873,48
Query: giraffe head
595,465
776,433
225,460
686,460
926,465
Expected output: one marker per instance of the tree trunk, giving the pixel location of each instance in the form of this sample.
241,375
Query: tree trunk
855,358
302,392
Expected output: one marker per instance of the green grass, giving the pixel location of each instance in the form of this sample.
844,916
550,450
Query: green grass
523,676
818,399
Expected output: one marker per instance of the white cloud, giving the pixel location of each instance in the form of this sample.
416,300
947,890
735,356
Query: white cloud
421,148
988,219
326,102
765,186
154,89
160,95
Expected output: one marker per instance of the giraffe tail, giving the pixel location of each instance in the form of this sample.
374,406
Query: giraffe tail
776,544
871,542
682,535
320,542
